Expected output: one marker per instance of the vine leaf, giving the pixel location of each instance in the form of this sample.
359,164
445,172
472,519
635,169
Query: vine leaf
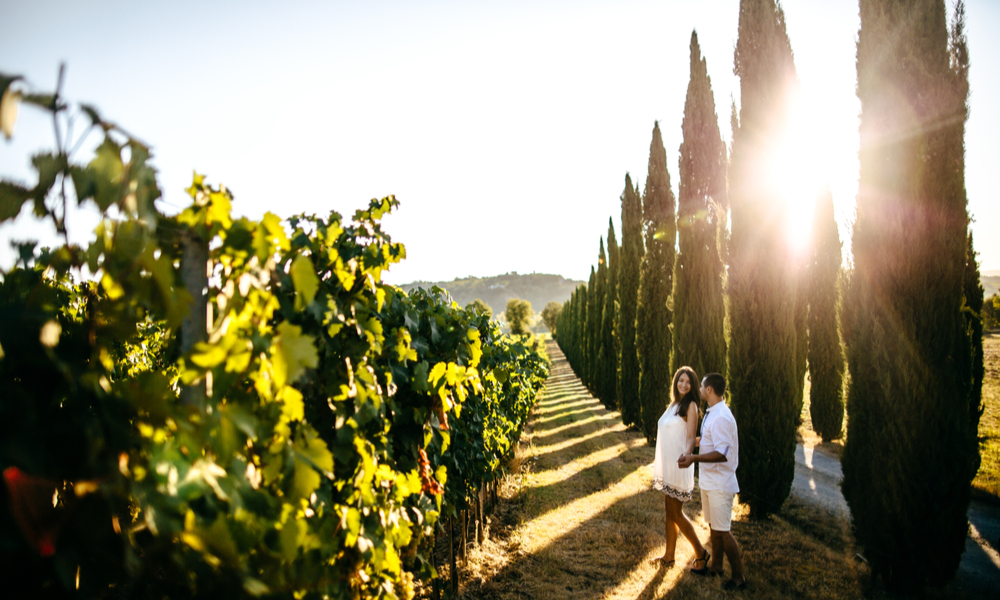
295,352
305,280
12,198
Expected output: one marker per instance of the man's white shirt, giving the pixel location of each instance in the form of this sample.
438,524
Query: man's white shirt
719,433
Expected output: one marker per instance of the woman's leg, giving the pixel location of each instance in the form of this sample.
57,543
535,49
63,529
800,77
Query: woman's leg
675,509
670,532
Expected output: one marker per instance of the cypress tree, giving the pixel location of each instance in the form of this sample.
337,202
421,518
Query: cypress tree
597,315
800,282
581,339
699,307
652,336
628,290
974,300
826,354
608,355
761,294
588,330
973,289
909,456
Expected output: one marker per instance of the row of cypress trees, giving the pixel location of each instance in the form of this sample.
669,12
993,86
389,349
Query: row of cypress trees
905,316
671,255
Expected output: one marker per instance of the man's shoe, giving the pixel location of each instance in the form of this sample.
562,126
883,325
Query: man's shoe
732,586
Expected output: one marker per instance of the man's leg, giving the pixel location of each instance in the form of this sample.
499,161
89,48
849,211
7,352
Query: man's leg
718,547
732,550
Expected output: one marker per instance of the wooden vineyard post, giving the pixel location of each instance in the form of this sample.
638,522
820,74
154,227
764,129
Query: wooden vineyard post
434,562
451,556
482,517
465,535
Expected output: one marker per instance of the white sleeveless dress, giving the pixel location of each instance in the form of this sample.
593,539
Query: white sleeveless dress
671,434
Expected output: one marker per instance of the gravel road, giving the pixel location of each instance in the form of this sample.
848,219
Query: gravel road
817,480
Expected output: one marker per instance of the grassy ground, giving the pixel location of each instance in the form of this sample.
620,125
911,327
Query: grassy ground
987,482
579,519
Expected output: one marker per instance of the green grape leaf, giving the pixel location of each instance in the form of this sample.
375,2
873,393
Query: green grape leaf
107,171
315,451
305,280
208,356
293,354
12,198
292,408
292,534
305,480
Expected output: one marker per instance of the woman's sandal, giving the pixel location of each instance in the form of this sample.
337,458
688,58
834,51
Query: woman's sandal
665,564
704,568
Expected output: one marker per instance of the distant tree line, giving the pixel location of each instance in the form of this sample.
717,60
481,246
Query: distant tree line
709,281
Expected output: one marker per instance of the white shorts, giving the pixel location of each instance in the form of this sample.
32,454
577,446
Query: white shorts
717,508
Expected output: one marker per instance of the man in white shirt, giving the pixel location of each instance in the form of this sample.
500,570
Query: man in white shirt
719,456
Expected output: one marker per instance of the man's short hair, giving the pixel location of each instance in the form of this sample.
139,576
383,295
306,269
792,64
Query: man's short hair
716,382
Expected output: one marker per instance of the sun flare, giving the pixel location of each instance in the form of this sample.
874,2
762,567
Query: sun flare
808,158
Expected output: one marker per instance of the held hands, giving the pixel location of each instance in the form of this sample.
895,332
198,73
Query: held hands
685,461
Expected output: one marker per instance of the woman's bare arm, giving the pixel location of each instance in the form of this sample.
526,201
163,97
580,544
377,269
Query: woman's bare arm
692,428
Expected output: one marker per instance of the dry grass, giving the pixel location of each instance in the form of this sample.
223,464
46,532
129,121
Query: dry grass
987,481
579,519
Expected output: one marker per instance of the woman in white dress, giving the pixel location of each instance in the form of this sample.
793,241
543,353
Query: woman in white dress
675,437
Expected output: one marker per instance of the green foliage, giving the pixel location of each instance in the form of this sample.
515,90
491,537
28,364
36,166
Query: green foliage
761,295
550,316
518,315
342,416
826,353
595,314
990,313
653,315
699,310
972,289
627,389
481,307
589,343
910,454
607,354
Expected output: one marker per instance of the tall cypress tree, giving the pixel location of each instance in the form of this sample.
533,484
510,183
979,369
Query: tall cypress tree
800,321
652,336
628,290
608,355
588,330
826,354
973,290
761,295
699,307
909,456
596,309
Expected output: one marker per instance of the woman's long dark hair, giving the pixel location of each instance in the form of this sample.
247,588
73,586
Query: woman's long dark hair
691,396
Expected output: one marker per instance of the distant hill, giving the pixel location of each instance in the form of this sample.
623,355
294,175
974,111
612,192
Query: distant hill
537,288
991,284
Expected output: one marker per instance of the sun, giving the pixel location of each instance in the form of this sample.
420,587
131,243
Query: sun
801,166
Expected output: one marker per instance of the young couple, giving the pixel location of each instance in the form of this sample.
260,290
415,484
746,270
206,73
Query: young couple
719,457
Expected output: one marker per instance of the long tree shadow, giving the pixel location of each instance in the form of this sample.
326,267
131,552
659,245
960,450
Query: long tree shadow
573,428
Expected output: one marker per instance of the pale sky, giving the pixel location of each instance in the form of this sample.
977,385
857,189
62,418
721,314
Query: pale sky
504,129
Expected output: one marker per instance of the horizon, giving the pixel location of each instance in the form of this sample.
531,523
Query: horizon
487,123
